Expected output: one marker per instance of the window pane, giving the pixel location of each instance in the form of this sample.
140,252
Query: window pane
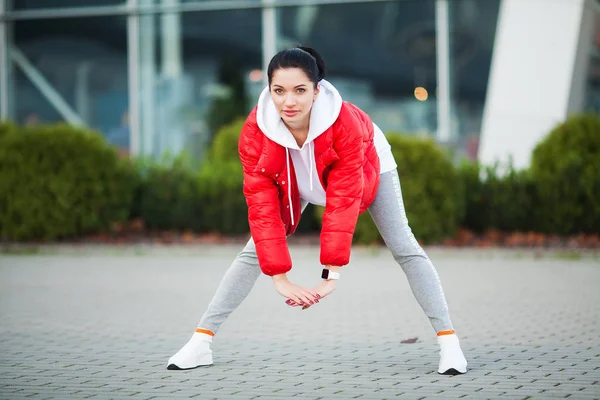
376,54
82,62
472,33
593,79
195,76
37,4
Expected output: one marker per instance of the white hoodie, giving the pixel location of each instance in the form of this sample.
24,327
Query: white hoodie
325,111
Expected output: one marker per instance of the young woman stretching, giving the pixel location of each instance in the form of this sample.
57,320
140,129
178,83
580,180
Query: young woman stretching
302,144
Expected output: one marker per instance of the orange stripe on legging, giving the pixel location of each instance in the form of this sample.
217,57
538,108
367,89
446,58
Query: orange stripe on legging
442,333
200,330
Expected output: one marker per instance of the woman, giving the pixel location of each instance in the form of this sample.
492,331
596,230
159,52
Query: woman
302,144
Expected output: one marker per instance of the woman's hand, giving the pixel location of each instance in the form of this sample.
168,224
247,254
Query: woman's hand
295,293
324,289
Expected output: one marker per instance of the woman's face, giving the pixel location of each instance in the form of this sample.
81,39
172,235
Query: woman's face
293,94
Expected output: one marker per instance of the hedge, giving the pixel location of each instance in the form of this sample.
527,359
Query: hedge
558,194
60,182
499,201
566,168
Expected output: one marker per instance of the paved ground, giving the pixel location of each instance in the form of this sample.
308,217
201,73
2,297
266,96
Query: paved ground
101,324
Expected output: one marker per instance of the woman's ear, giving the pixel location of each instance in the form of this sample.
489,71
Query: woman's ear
317,90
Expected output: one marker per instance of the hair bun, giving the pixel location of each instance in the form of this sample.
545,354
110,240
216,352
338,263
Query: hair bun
318,59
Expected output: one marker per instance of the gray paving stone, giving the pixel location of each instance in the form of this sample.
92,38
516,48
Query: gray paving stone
100,326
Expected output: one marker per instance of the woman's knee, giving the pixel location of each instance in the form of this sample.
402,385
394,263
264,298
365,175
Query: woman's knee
402,243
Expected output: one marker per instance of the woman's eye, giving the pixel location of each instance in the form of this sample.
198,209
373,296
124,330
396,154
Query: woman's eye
301,90
278,91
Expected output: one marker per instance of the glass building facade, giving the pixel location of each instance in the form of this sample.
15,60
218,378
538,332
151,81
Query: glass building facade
163,75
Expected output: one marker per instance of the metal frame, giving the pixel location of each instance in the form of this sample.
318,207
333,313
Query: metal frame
443,71
45,87
133,63
269,34
5,65
171,41
147,79
125,9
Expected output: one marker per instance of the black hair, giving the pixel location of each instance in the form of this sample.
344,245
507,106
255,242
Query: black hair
305,58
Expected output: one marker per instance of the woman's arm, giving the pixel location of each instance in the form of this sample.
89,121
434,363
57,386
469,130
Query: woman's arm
262,198
264,218
344,196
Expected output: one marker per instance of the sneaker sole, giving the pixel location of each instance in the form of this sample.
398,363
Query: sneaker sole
451,371
174,367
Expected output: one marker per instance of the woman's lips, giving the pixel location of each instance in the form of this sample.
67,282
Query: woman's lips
290,113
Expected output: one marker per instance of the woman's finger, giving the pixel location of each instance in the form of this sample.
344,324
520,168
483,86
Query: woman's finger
306,298
314,298
309,292
297,299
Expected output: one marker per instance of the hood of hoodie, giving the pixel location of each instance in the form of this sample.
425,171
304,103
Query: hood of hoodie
325,111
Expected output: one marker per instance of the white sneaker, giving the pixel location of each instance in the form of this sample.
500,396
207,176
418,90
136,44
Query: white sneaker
195,353
452,359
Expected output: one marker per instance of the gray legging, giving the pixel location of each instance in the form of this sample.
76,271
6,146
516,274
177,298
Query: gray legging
388,214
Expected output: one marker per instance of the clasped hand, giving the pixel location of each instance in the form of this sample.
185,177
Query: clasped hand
298,296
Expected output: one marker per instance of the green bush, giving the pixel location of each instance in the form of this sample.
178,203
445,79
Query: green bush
7,127
224,207
493,200
475,215
225,144
169,196
181,196
430,189
58,181
222,201
566,169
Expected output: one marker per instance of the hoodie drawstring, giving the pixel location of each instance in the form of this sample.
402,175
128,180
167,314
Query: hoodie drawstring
311,148
287,159
312,161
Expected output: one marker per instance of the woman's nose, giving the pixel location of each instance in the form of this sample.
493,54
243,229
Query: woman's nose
290,100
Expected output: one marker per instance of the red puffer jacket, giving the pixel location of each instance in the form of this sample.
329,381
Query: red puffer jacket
348,168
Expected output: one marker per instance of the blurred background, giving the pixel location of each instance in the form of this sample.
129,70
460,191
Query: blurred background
158,75
486,80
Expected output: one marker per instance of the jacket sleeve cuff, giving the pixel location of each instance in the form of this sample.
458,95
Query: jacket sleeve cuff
335,248
273,256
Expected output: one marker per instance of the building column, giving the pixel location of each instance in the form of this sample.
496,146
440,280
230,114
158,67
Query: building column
133,63
147,76
444,121
534,81
269,35
6,68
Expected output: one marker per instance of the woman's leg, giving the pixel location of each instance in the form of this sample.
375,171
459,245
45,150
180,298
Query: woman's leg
235,286
390,217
